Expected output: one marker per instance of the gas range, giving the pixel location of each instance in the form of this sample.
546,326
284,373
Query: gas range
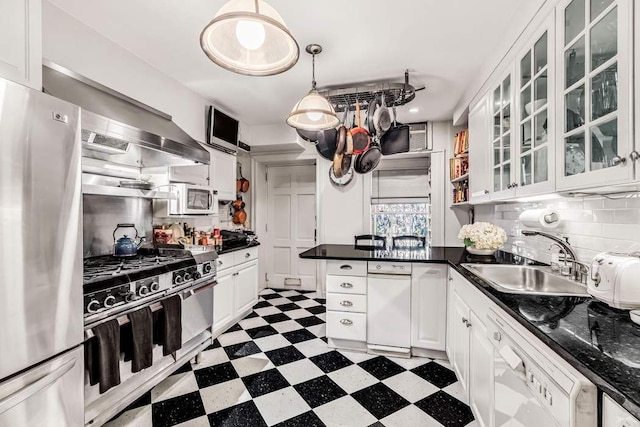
112,285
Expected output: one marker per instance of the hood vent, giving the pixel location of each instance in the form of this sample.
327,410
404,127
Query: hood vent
117,120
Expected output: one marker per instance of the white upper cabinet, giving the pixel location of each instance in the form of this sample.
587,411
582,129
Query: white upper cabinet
533,148
502,138
21,42
594,53
479,144
222,174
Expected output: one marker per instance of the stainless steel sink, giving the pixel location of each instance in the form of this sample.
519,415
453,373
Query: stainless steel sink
529,280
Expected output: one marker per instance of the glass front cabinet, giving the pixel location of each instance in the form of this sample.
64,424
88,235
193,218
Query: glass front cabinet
535,99
593,49
503,177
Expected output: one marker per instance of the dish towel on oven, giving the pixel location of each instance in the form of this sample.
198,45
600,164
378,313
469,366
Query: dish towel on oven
138,345
103,355
170,325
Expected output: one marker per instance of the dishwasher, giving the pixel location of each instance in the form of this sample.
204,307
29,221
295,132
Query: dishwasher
534,387
389,308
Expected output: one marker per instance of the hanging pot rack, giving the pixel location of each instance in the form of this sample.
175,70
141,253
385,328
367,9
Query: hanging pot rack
395,94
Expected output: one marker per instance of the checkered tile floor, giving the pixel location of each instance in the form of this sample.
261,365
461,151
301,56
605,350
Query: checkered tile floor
274,368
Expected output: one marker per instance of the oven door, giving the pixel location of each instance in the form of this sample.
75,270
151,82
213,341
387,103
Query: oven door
515,404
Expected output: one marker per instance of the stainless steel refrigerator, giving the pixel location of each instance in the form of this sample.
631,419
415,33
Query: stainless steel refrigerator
41,327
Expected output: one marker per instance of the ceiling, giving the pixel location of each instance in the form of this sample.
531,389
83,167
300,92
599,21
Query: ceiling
444,43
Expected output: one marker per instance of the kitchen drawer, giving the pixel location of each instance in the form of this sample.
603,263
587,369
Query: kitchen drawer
347,285
347,326
347,268
225,261
347,302
245,255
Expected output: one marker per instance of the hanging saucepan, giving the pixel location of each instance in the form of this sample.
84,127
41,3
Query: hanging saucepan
382,119
361,138
242,184
342,136
308,135
369,160
396,140
371,110
326,145
338,157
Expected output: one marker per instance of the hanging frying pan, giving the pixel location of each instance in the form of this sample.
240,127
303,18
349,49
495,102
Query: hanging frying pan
326,145
342,181
361,138
338,158
396,140
369,160
374,105
382,119
308,135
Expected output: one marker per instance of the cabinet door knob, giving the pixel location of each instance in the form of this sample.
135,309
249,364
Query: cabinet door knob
468,324
464,320
346,285
346,303
346,322
486,191
634,155
617,160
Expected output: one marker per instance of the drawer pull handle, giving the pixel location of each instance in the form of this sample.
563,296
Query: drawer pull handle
346,285
346,267
346,322
346,303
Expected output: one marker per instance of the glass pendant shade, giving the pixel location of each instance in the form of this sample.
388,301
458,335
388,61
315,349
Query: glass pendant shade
249,37
313,112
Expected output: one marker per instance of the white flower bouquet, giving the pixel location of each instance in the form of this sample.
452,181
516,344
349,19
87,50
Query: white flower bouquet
483,236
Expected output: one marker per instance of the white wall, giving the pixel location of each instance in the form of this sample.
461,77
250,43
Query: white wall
593,225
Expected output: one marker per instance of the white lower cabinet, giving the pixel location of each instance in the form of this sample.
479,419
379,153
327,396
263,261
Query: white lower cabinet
480,371
235,294
347,326
614,415
223,312
429,306
468,347
246,287
347,304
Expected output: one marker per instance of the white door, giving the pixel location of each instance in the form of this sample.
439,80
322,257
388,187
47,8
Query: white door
429,306
460,345
291,226
480,372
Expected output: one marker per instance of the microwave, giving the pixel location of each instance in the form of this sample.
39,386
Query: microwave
193,200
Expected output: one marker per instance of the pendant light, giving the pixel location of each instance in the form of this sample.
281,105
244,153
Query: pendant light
313,112
249,37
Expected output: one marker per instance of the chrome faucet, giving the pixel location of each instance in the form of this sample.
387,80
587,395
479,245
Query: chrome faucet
579,270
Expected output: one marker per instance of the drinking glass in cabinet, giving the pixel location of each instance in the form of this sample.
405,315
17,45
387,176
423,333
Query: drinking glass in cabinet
604,92
574,104
574,59
573,20
525,172
540,165
604,39
525,137
598,6
604,145
574,162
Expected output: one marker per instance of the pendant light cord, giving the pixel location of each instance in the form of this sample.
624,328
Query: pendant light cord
313,72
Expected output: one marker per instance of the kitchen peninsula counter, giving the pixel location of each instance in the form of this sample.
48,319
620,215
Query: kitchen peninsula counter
600,342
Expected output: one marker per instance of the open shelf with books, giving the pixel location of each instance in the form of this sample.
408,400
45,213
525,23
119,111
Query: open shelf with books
459,170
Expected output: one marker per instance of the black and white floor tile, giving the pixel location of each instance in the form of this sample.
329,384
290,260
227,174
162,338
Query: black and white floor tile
274,368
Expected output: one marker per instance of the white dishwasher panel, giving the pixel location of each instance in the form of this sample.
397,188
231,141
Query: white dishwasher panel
389,310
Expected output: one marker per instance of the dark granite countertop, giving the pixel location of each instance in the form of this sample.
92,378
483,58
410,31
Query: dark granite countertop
250,245
600,342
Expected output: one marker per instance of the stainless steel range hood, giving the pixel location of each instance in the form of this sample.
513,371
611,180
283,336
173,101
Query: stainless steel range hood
117,119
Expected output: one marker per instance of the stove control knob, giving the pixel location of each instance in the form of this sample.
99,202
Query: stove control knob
143,291
129,296
109,301
206,268
93,306
197,275
187,276
155,286
177,279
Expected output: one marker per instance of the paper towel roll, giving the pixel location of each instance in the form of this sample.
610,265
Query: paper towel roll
540,218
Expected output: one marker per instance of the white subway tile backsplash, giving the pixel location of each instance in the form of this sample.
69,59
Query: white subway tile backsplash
593,224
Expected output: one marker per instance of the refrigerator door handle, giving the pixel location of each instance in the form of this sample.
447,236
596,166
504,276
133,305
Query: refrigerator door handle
35,387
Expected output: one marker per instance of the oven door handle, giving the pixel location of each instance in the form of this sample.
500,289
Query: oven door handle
191,292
